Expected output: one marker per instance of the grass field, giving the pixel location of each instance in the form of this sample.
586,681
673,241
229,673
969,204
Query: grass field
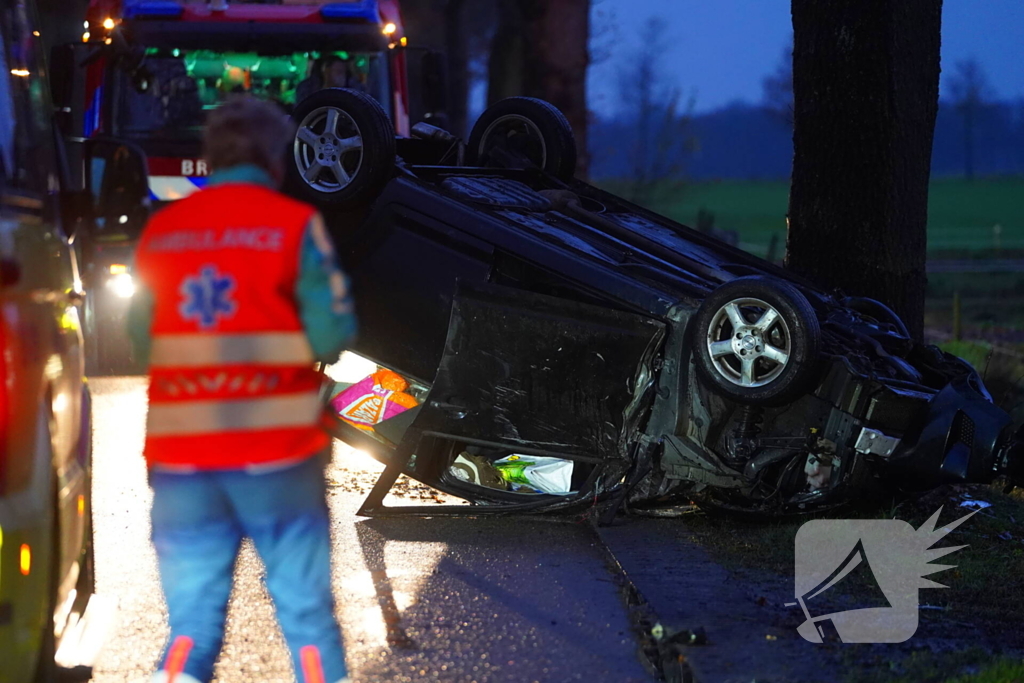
961,221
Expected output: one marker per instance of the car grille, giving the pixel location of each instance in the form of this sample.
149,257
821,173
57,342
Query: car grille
961,432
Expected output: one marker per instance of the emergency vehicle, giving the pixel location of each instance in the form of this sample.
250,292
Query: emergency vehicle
154,68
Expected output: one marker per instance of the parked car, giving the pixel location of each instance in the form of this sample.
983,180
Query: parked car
46,551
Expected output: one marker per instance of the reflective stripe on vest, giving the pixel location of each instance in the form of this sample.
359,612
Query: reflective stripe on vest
205,417
232,382
203,350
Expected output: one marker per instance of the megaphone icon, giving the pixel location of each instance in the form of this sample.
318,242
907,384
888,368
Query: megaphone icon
855,568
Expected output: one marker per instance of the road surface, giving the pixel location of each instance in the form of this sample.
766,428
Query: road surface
458,600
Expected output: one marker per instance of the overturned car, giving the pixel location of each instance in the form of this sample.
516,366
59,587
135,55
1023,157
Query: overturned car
543,345
541,320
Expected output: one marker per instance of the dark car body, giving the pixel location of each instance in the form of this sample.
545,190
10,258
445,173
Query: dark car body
546,330
45,437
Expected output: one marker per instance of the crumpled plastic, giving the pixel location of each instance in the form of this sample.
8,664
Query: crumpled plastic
546,475
974,503
374,399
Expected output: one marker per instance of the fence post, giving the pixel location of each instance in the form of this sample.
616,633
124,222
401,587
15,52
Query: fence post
957,320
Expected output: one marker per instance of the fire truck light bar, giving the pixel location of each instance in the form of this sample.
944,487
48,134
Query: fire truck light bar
154,9
361,9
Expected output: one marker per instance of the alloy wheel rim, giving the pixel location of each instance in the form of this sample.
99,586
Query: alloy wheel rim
749,343
328,149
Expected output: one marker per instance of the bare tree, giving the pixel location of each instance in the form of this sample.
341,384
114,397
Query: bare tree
777,87
970,90
865,86
656,114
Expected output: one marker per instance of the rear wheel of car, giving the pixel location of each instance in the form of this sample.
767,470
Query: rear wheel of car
46,667
86,585
755,341
522,131
344,149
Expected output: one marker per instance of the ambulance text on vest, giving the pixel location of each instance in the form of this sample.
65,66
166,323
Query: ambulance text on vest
257,239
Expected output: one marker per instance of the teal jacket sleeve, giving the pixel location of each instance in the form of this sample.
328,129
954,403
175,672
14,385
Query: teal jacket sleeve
325,306
140,323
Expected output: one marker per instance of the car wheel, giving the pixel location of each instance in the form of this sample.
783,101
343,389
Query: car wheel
755,341
344,149
86,585
521,132
46,665
46,668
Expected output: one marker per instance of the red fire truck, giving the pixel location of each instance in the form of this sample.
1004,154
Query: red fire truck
153,68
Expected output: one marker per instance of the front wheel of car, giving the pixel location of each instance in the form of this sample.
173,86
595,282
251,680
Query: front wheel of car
519,132
344,149
755,341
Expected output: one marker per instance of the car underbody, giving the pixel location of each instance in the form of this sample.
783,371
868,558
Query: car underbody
544,317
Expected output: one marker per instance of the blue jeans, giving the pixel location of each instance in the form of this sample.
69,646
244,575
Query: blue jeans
199,521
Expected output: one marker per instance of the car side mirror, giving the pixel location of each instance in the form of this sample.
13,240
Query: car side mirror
117,184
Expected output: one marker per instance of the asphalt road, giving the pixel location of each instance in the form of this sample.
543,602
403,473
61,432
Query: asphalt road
418,599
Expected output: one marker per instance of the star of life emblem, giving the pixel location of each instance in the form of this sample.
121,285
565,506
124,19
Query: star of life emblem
207,297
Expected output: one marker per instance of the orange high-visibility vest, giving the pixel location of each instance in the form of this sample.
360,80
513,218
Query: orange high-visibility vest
232,378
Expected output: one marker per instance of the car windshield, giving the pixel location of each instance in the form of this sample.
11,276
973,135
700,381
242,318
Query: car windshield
171,99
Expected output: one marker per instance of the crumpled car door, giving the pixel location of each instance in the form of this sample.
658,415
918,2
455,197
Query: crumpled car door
534,375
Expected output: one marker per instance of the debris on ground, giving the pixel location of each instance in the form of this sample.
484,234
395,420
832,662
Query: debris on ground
966,501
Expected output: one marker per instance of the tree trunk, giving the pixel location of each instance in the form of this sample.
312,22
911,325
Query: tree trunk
865,82
553,67
458,67
560,34
424,22
506,68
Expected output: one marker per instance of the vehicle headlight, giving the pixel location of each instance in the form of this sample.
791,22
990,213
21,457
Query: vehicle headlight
122,285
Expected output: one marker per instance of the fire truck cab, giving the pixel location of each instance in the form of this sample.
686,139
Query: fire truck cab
154,68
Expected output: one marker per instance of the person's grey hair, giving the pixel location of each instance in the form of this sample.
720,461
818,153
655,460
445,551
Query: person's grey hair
245,130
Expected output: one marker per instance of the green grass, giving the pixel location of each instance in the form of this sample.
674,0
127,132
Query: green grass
986,588
958,666
975,353
961,213
1000,671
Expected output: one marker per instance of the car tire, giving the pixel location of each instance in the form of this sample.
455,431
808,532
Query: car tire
523,131
343,152
86,585
755,341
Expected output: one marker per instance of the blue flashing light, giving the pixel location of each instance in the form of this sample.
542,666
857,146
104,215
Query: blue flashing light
364,10
153,9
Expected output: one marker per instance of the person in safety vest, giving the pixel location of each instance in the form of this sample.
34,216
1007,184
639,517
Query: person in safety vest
240,296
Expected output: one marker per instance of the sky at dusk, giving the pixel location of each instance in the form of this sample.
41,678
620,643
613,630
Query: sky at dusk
720,50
